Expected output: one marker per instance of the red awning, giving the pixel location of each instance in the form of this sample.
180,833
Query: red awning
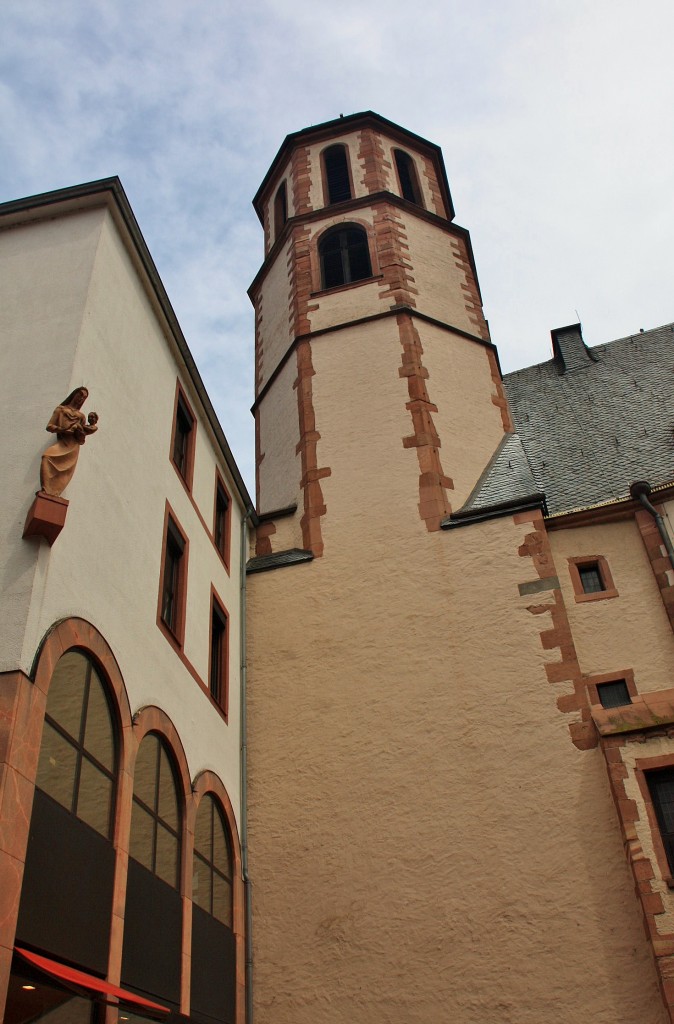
89,983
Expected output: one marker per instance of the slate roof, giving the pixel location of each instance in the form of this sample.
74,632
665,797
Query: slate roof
588,423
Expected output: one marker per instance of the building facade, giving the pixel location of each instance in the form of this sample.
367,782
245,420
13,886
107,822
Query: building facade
418,701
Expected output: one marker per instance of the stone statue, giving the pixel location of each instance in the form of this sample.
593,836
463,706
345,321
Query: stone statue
71,429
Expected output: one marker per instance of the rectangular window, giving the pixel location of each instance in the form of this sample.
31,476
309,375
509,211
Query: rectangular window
221,520
217,675
173,580
661,787
182,441
613,695
590,578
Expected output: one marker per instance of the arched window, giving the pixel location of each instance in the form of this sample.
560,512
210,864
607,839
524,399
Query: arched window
213,981
78,752
280,209
344,255
66,899
407,176
153,910
337,177
212,870
155,821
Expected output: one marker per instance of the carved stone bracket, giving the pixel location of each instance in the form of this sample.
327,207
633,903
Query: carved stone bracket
46,517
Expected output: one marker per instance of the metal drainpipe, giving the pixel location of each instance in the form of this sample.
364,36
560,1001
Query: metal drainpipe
640,490
247,885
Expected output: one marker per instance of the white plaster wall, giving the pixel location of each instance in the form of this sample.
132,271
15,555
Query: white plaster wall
105,565
45,270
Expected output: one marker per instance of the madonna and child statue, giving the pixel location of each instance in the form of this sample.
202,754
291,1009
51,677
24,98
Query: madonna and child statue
47,514
72,429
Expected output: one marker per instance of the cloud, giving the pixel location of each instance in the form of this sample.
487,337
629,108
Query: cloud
553,118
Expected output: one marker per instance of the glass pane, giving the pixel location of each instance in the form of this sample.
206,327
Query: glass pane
333,272
221,855
56,767
590,579
222,900
93,799
202,831
167,856
168,800
98,733
662,789
145,772
66,692
142,833
201,884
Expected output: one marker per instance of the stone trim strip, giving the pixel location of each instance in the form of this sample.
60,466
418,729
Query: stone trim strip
499,397
471,294
657,556
300,176
392,249
372,157
434,504
307,448
536,546
432,182
644,871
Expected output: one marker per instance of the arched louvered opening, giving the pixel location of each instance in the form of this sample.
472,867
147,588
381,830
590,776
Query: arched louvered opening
408,178
344,256
337,176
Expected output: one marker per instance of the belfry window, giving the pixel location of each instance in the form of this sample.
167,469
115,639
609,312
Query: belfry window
344,255
337,177
407,176
280,209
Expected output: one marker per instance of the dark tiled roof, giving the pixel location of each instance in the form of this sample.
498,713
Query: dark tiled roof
589,421
263,563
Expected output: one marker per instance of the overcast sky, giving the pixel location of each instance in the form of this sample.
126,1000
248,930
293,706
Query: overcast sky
554,116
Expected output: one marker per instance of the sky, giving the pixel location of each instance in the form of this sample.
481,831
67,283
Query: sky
554,116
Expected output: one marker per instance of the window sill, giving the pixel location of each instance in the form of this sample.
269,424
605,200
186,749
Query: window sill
345,287
599,595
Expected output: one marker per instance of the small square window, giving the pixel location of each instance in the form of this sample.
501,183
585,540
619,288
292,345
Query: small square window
591,578
613,695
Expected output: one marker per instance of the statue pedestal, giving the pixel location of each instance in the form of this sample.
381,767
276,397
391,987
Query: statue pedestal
46,517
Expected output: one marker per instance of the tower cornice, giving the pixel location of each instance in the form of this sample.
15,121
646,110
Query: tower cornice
351,122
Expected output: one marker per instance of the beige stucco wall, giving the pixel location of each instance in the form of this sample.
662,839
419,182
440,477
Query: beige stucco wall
435,272
274,326
468,423
105,565
426,841
281,469
631,631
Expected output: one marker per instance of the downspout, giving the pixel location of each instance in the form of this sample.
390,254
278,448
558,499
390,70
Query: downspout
247,885
640,490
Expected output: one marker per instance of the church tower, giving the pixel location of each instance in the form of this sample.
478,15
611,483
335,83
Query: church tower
430,839
370,337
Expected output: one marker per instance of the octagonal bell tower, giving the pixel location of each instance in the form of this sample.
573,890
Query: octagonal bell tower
376,384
